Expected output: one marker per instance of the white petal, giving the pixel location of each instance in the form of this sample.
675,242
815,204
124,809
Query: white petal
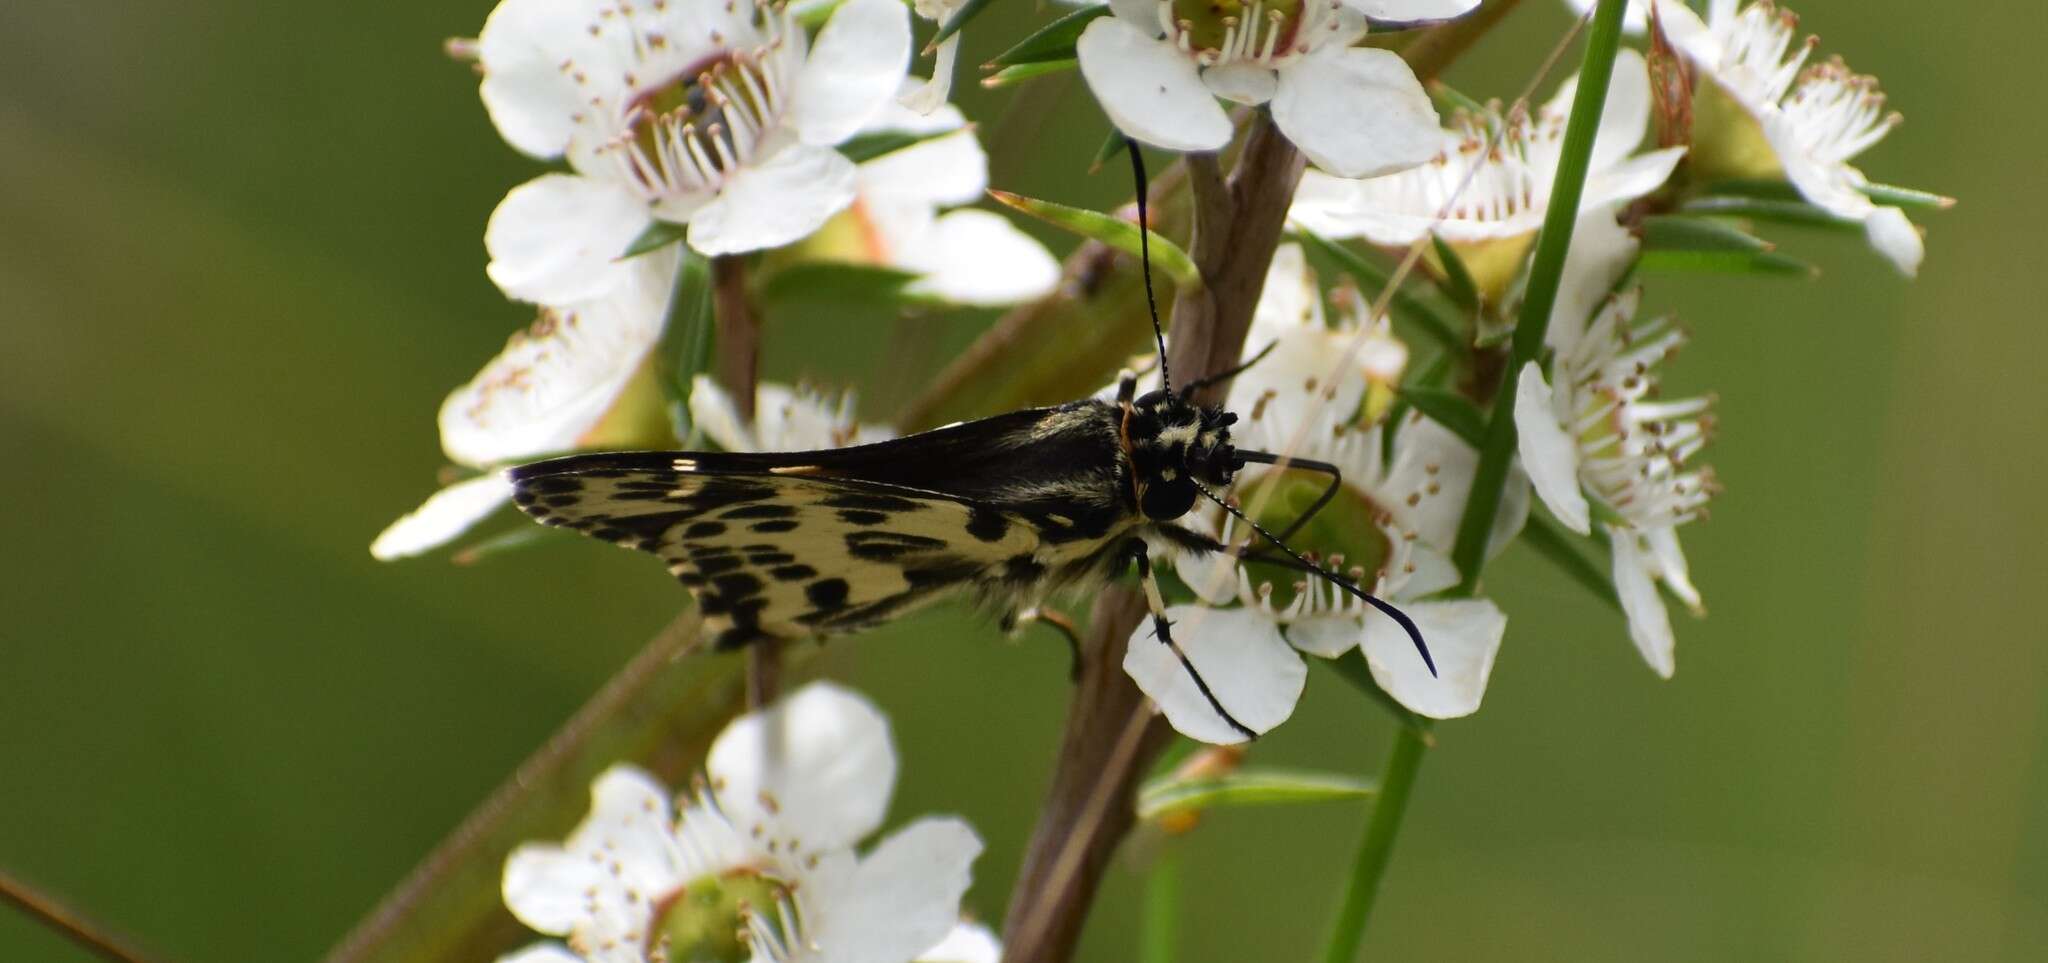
1463,637
979,257
1289,301
818,766
1243,83
546,887
542,953
932,94
1662,544
712,411
1548,454
903,898
1626,115
1436,467
1251,670
966,943
1356,112
1325,636
1634,20
774,202
947,170
1630,179
445,514
557,238
856,64
1301,358
531,100
1649,625
1150,90
1895,237
1601,252
554,383
1411,11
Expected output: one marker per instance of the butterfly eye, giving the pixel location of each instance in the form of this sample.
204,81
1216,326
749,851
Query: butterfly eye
1167,500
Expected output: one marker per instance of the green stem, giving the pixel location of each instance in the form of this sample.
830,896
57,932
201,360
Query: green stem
1545,271
1160,927
1377,847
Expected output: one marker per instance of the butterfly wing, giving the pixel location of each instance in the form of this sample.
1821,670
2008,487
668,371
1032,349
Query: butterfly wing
773,547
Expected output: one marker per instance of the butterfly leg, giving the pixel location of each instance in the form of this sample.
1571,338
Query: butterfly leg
1060,622
1161,630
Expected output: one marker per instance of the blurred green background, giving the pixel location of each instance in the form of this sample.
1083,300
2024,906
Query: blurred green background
240,264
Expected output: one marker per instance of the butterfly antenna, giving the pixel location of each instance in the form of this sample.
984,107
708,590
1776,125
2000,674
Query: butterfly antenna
1145,257
1407,624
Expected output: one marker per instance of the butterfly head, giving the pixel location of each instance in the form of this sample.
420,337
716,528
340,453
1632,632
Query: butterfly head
1175,446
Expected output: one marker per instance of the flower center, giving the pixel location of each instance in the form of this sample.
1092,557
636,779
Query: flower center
707,920
1219,32
1345,534
685,136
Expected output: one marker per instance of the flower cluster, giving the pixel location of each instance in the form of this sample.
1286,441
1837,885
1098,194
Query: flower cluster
759,863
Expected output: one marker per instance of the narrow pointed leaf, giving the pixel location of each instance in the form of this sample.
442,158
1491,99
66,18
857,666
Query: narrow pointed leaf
1249,787
1113,145
1799,213
1680,233
867,147
658,235
955,22
1054,41
834,280
1762,263
1109,229
1457,280
1009,76
688,336
1907,197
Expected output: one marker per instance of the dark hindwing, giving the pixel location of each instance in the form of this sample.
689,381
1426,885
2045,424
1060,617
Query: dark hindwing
778,553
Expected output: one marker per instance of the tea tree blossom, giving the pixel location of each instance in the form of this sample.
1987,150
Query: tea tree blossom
1760,111
758,864
576,378
1389,528
721,116
926,97
1597,427
785,419
1488,204
1157,68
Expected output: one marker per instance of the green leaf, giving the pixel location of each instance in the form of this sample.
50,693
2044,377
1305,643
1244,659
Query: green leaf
867,147
1773,190
955,22
1439,322
1449,409
1799,213
1248,787
1010,76
1450,98
1054,41
658,235
1907,197
1111,146
1670,232
1765,263
1555,543
1109,229
1457,280
688,334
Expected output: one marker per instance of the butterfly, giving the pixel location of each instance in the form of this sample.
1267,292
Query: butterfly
1010,509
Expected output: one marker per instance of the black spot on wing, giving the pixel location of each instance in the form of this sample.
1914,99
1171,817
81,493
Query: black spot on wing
986,523
792,573
861,516
873,502
827,594
704,530
759,511
779,525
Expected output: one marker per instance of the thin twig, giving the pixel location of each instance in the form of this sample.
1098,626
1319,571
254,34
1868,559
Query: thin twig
739,332
45,909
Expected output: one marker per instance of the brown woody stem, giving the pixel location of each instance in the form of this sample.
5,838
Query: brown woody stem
89,935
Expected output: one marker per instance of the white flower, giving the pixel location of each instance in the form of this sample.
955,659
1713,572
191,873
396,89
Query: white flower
1389,529
1496,198
1812,121
558,386
1157,67
965,256
759,865
967,943
927,97
784,419
1598,427
720,115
